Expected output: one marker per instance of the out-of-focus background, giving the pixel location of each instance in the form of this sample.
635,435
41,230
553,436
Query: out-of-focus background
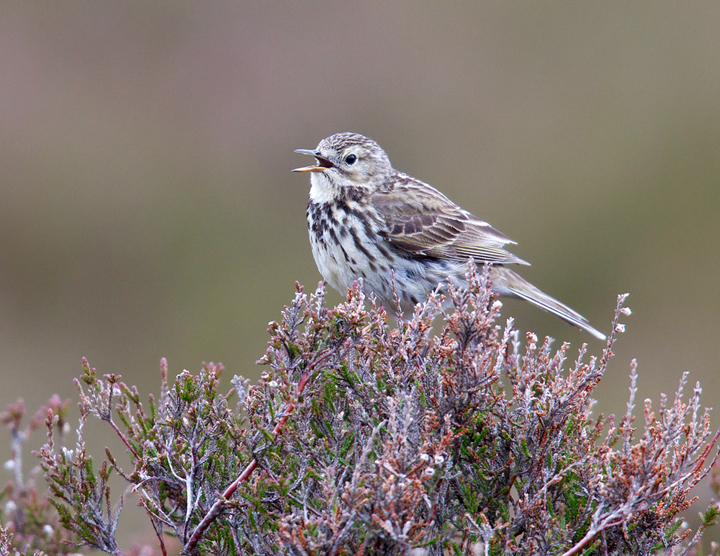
147,207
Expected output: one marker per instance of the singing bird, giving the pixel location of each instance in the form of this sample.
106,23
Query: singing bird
367,219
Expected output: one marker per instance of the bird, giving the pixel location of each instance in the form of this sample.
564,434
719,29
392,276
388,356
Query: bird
400,235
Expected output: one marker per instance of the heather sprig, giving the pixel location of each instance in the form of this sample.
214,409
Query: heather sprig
29,523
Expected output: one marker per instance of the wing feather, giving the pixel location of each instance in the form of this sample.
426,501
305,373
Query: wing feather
422,221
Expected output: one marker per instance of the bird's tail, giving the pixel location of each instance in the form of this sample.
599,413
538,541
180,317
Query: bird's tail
509,284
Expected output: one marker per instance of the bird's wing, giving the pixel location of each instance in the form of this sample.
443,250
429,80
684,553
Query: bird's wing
423,222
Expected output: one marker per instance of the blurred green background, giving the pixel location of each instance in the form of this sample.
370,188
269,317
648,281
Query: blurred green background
147,207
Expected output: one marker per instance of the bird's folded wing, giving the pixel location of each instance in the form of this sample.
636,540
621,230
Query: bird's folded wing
423,222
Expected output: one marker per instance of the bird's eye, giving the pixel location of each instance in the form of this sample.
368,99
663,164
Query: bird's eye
350,159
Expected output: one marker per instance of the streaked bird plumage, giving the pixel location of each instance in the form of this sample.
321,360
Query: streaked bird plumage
367,220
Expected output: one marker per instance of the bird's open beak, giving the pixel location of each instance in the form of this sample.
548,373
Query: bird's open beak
322,163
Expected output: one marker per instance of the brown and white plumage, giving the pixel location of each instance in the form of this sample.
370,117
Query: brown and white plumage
368,220
421,220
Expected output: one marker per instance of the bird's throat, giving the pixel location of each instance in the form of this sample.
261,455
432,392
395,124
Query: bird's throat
322,189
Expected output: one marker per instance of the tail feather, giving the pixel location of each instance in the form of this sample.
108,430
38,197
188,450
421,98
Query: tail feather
509,284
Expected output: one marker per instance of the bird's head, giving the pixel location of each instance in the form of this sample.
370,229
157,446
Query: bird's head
346,161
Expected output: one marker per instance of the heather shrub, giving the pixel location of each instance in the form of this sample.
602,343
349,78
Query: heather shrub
29,524
367,437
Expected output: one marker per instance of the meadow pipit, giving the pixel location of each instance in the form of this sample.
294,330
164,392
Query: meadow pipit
367,220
